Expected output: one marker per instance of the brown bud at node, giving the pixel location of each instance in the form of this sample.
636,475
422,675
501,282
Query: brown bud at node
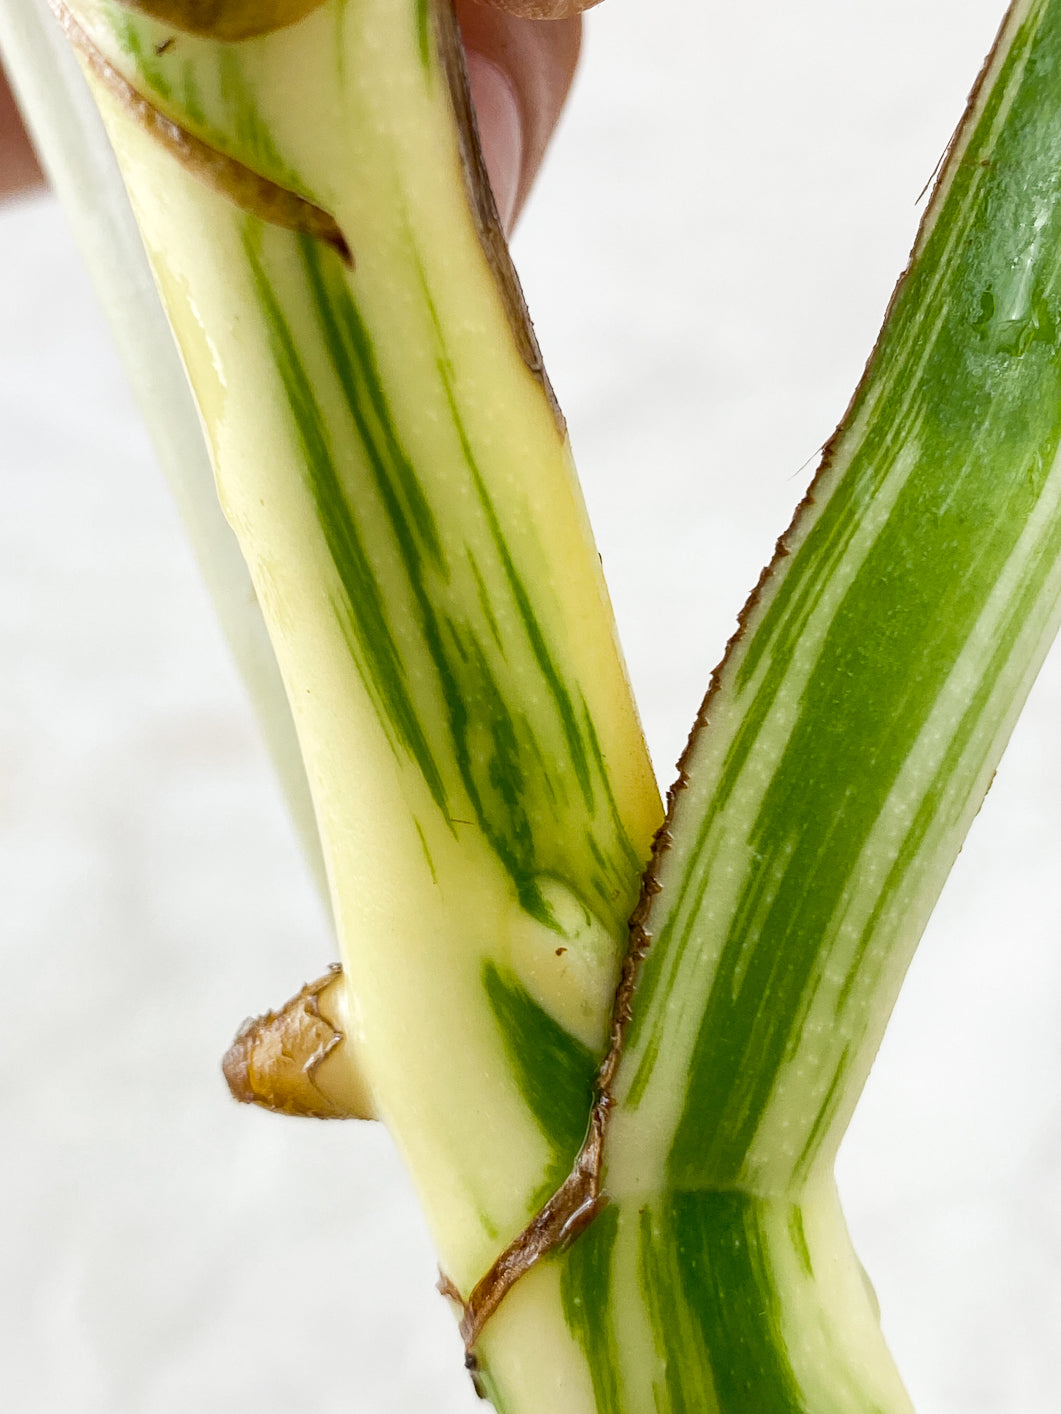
297,1060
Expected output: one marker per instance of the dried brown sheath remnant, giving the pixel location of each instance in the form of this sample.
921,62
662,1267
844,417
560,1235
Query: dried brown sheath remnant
226,19
247,189
481,199
568,1213
296,1061
580,1198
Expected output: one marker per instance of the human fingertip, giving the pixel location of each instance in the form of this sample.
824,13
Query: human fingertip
500,130
542,9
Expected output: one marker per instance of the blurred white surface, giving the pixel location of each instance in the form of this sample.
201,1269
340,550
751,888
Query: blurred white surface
708,258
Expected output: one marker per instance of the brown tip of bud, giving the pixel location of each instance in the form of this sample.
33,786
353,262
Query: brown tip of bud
237,1062
297,1061
226,19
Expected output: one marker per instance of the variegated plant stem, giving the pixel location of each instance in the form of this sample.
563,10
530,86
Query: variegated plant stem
388,452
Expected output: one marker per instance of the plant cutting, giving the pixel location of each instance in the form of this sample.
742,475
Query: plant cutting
689,1252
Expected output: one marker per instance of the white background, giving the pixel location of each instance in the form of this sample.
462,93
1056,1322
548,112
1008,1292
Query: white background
708,258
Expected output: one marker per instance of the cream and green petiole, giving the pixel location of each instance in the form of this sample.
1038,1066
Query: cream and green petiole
394,467
389,454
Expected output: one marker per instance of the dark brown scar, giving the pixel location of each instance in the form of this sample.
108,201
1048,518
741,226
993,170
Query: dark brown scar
248,189
481,199
580,1198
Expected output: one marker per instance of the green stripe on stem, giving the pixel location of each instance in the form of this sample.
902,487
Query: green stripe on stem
553,1070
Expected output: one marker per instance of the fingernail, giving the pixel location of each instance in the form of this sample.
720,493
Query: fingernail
500,132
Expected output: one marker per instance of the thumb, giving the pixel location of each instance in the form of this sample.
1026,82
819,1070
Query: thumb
519,72
543,9
19,170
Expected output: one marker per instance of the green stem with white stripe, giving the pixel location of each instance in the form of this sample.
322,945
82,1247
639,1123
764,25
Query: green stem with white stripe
390,457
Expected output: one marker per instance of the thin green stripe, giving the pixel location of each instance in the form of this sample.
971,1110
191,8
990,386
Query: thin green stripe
586,1296
423,31
484,603
371,636
354,360
726,1283
560,695
928,813
514,784
831,1101
593,748
127,32
684,1383
798,1236
495,780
